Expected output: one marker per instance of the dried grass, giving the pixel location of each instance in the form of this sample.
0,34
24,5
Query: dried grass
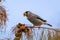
3,18
21,28
56,35
41,37
53,34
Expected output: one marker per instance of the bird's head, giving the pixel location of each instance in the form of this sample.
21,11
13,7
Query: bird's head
26,13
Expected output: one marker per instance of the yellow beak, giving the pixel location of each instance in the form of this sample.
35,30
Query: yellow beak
24,14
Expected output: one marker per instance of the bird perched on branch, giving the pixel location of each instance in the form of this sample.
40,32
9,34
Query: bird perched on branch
35,19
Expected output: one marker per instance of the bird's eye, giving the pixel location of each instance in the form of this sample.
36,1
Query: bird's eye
27,11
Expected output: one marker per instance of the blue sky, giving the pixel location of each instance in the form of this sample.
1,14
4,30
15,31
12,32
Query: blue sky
47,9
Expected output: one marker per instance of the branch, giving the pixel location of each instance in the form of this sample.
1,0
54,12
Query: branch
44,28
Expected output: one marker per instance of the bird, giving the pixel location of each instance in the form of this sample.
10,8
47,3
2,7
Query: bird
35,19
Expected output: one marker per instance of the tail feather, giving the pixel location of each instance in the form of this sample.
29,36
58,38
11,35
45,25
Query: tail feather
48,24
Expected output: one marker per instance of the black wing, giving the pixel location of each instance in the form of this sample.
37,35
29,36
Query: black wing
41,19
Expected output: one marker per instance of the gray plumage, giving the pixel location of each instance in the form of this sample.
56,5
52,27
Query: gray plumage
35,19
